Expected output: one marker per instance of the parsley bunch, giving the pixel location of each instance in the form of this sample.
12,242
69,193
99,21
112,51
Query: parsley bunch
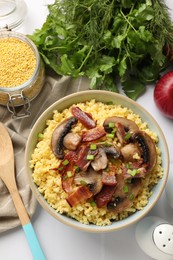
109,41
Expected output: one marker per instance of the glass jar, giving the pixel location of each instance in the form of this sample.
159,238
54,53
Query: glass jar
17,96
20,95
12,13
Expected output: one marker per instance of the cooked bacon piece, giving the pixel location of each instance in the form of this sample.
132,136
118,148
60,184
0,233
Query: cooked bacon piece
67,178
67,170
83,117
67,184
81,194
134,170
93,134
108,179
82,162
135,173
105,195
70,157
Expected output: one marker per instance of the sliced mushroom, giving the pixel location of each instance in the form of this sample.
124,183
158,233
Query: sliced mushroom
128,124
58,136
112,151
122,199
91,178
100,160
147,145
71,141
129,151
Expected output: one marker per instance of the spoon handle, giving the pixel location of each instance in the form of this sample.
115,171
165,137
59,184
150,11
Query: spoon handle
8,176
33,242
25,221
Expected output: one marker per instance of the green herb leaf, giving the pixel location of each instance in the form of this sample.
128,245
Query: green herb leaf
133,87
107,41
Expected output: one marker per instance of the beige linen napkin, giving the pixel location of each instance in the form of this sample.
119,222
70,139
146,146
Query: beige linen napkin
54,89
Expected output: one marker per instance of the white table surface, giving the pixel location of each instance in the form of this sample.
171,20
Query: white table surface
60,242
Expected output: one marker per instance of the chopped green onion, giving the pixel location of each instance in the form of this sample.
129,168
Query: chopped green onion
83,183
109,103
127,136
93,147
77,169
93,203
90,157
131,197
107,169
40,135
125,189
107,144
128,165
60,168
111,124
113,160
110,135
114,130
69,174
65,162
133,172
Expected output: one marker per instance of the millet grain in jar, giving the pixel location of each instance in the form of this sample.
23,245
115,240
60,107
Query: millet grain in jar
17,62
22,71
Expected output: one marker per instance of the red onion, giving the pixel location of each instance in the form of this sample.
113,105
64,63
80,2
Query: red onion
163,94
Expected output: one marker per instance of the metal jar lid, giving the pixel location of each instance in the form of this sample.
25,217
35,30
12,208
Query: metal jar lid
12,13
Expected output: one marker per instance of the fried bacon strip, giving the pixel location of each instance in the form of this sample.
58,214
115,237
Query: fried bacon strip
65,167
85,118
93,134
81,194
105,195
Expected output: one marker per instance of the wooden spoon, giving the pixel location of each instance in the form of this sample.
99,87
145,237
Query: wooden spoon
8,176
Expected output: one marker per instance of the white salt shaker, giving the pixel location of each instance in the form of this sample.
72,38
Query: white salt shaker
155,237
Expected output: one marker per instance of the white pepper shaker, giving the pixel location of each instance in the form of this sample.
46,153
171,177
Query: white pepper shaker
155,237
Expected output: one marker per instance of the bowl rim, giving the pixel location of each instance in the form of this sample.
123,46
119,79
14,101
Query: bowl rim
85,94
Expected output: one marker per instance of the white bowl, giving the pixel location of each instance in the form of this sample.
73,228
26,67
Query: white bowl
104,96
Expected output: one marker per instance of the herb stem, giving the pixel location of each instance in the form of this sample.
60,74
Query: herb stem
85,58
127,20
